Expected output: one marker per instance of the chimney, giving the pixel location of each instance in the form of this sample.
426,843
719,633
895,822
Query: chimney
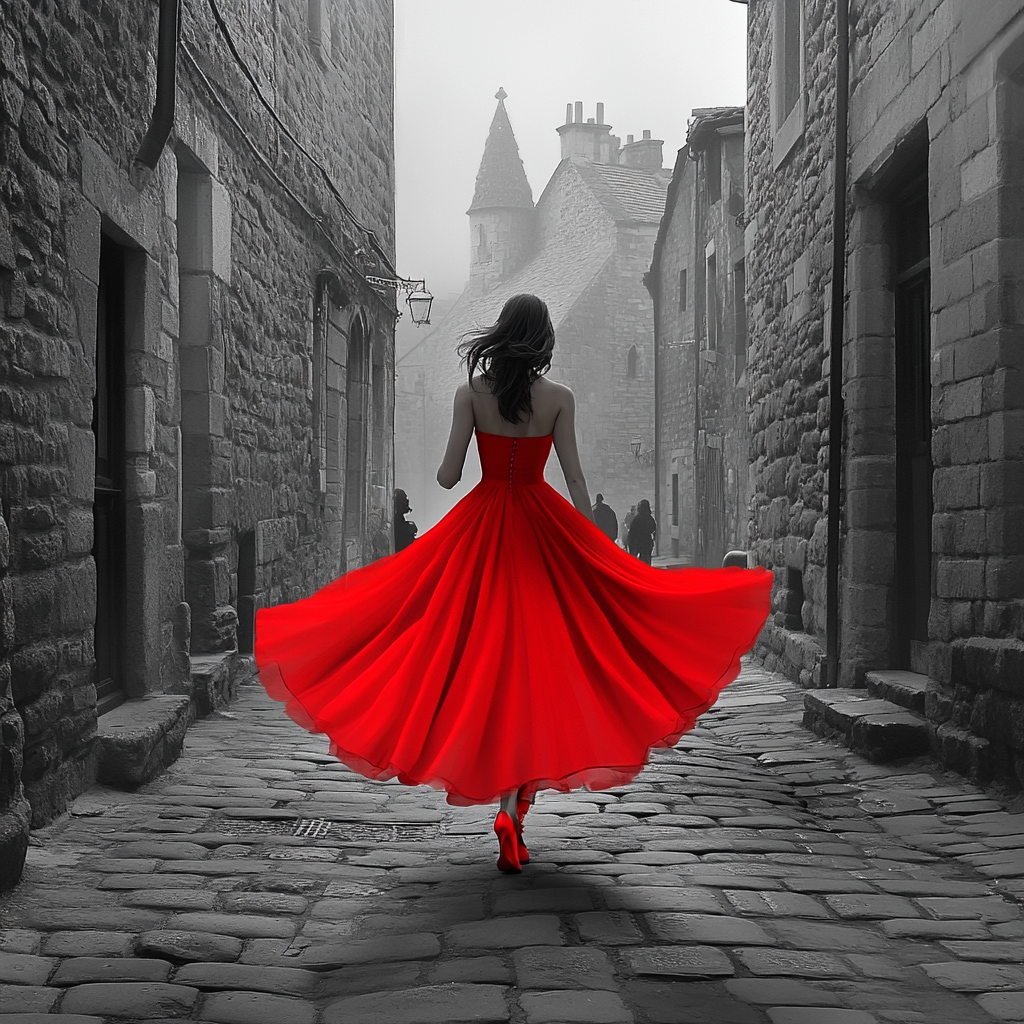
589,139
644,154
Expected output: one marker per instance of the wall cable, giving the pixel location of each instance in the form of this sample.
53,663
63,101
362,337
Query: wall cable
270,169
328,180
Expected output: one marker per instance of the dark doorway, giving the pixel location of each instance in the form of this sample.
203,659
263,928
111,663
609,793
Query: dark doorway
912,286
108,501
246,591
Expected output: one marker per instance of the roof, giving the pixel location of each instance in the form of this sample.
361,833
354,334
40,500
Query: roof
706,120
627,193
501,181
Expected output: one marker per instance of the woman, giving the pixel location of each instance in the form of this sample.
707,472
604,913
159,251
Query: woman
640,539
513,647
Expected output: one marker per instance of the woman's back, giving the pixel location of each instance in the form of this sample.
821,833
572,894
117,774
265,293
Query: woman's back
548,400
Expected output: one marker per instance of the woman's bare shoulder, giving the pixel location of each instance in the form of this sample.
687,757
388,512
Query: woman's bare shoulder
559,396
554,388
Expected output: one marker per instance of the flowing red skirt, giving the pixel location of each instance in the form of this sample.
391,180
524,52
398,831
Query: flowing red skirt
512,645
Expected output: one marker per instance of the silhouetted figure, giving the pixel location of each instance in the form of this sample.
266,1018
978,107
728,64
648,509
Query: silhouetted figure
627,522
604,516
405,530
640,540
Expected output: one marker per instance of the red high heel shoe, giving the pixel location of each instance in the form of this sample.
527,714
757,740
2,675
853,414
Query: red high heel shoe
508,845
522,806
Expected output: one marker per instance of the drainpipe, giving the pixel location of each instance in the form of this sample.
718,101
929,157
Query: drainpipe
652,282
835,384
162,119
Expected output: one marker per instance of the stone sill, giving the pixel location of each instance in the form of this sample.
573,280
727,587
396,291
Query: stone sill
139,739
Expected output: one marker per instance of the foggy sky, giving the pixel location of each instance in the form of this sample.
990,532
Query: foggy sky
649,61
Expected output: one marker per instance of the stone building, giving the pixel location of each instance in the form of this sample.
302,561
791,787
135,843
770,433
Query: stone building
932,512
697,283
583,248
196,380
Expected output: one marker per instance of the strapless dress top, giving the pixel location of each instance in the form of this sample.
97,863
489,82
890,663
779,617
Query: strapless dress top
513,460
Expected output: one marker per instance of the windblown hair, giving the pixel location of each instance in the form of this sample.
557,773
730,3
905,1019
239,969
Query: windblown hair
512,354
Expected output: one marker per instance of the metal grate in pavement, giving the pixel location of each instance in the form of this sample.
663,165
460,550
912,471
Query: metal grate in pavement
342,831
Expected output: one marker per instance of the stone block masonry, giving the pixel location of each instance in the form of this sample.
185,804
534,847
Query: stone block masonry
932,562
134,490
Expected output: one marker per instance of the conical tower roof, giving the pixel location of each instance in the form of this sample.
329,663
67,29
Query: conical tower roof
501,181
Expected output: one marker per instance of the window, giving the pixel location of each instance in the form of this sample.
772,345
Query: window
739,301
712,302
682,289
787,94
631,362
713,170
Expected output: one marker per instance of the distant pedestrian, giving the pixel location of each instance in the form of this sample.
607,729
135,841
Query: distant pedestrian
405,530
627,522
640,540
604,516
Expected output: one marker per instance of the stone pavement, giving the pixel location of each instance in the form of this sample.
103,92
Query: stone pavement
753,874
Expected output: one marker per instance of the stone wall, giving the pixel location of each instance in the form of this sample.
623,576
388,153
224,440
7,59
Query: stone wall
935,93
676,380
225,251
702,411
788,240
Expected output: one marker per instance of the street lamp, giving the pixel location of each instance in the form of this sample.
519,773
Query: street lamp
636,444
419,306
419,299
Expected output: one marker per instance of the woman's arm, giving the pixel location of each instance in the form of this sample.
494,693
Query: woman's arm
449,473
569,455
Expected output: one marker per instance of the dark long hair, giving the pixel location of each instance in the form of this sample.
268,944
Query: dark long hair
512,354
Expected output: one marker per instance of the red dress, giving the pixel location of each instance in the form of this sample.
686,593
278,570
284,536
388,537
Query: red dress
512,645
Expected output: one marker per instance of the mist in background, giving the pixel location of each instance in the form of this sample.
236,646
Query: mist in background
649,61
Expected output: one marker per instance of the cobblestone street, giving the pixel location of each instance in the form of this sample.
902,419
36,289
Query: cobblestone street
752,874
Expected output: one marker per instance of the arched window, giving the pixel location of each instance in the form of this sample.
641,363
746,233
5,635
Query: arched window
356,387
631,357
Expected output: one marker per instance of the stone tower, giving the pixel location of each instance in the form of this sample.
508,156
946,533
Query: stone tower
501,216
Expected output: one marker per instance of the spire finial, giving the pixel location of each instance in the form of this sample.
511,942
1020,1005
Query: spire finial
500,94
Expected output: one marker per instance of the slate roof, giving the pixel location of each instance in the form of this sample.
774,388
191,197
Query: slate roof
501,181
628,194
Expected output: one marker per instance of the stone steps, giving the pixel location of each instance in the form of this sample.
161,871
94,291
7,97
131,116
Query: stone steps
876,726
907,689
138,739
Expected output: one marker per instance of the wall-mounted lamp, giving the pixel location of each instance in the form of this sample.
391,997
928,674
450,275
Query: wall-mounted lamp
644,458
419,299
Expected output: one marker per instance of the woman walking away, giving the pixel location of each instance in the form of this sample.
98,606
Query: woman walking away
640,540
513,647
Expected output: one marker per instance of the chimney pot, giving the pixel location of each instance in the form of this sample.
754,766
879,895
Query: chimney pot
579,112
590,120
647,133
629,140
600,113
568,113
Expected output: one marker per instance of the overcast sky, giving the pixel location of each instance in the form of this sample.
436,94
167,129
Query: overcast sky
649,61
